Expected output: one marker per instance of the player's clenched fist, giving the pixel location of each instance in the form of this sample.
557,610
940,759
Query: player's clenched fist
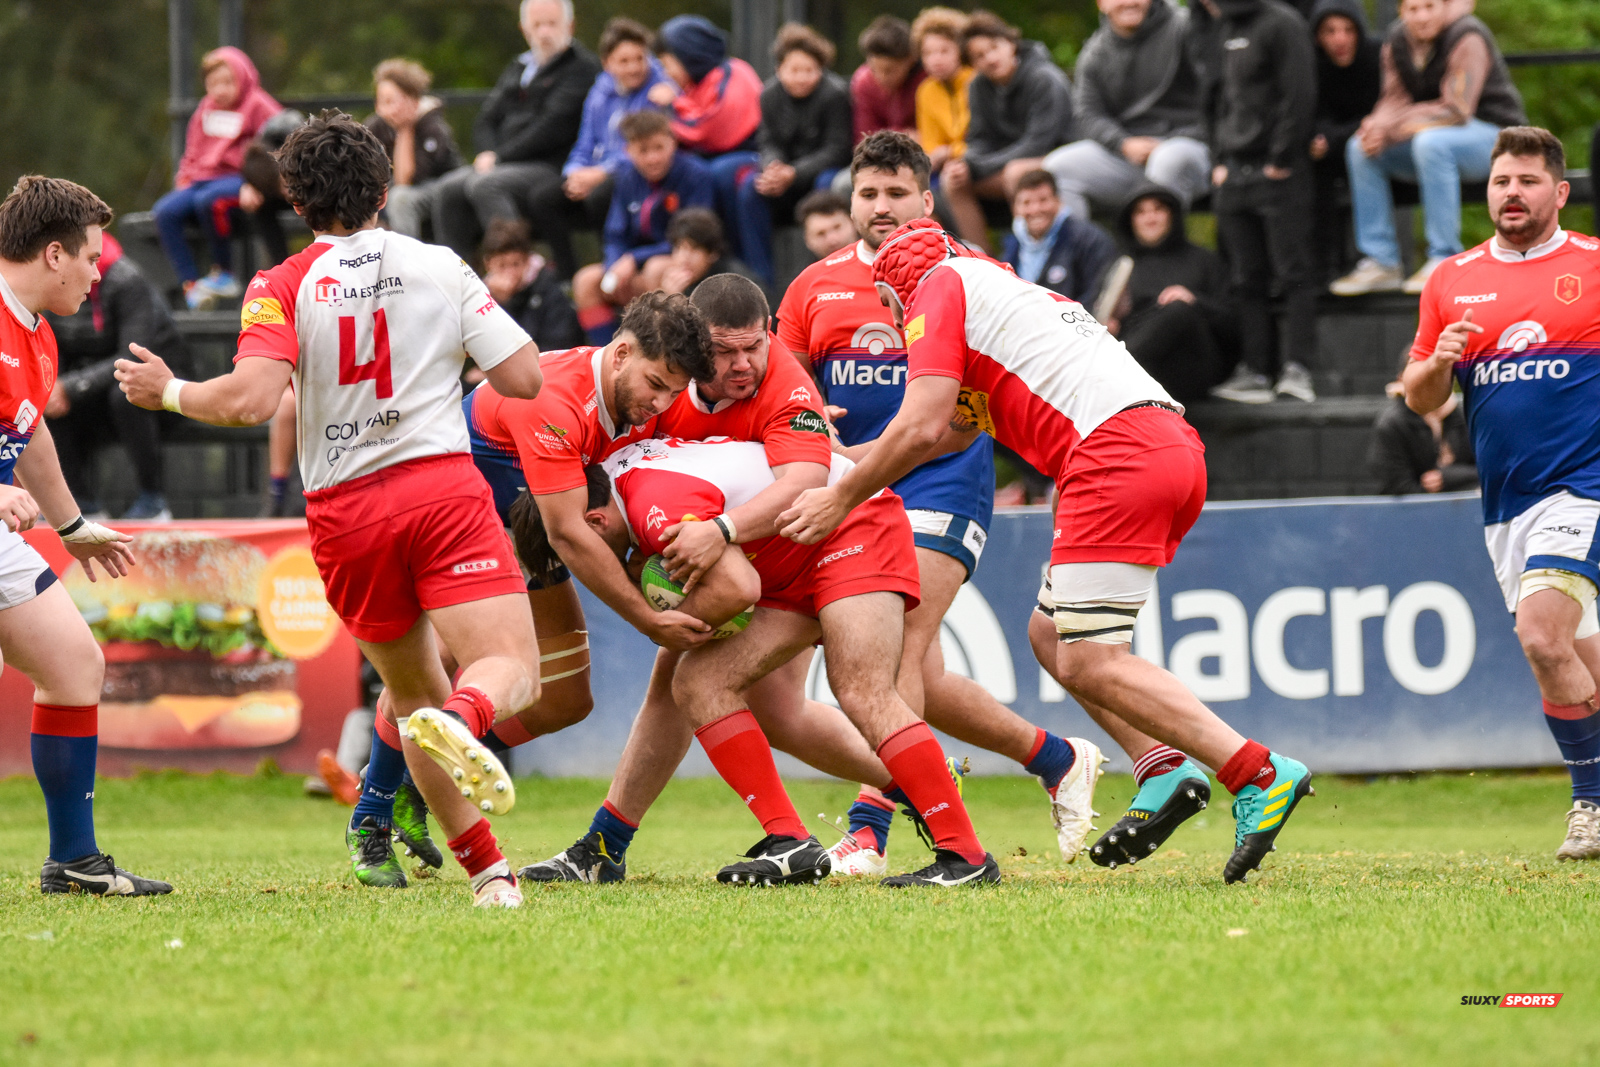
143,380
18,509
1453,339
815,515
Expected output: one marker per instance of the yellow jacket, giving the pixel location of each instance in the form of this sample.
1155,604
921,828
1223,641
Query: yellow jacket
942,113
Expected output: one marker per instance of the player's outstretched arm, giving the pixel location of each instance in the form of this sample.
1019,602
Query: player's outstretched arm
911,437
39,469
518,375
246,396
1427,381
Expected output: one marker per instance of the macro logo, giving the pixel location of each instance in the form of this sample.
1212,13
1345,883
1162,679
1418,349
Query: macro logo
876,337
328,291
1519,335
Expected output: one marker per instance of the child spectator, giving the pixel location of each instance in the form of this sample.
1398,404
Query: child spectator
1021,109
942,112
529,290
698,252
1050,246
1411,453
261,195
1348,79
824,219
206,188
805,140
659,182
418,138
884,87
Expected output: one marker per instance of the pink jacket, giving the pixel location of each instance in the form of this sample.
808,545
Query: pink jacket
720,112
215,143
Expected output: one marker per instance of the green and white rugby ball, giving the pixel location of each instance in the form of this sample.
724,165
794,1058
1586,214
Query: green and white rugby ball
664,594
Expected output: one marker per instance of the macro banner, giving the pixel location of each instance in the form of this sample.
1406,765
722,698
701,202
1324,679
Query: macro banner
219,648
1362,635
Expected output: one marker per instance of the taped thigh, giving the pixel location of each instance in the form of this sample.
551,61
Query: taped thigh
1570,584
563,662
1098,602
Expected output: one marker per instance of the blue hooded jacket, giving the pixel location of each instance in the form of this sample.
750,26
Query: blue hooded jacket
599,144
640,211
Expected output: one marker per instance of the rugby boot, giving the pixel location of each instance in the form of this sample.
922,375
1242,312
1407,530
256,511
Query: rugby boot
1072,800
1259,814
1162,804
495,888
949,869
1583,832
779,860
411,824
850,857
99,874
372,857
342,785
586,860
478,773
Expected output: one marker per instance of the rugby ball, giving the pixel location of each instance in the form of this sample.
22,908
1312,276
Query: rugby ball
664,594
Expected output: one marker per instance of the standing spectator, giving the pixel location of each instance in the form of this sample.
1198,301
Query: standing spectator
718,110
884,87
1412,453
1050,246
1021,109
261,195
580,196
418,138
1136,105
523,132
87,408
824,219
1348,75
1176,318
529,290
659,182
700,251
206,188
1446,95
805,140
1260,119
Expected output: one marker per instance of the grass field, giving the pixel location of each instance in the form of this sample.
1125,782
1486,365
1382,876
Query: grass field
1387,902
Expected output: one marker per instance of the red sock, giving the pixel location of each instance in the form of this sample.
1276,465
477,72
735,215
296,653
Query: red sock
914,757
476,849
474,706
740,753
1571,711
388,732
1161,759
513,732
1251,765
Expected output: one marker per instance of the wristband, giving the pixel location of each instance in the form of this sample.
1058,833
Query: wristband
169,395
725,524
71,527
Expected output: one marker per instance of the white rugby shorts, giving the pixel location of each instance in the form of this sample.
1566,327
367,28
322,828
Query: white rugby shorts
23,572
1560,532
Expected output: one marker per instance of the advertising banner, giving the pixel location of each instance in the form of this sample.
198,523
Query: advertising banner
220,651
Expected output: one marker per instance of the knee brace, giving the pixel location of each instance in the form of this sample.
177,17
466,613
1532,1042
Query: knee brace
1569,584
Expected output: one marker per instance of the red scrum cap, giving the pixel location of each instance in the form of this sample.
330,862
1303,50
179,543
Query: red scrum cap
909,253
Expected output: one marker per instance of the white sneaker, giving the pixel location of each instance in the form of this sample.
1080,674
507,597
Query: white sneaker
1246,387
1370,276
1415,283
1583,833
851,858
1296,381
479,774
1072,801
495,888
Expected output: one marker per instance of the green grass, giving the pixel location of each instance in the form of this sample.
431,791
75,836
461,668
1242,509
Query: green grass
1387,903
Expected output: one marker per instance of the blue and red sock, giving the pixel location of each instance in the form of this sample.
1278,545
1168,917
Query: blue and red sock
870,819
386,769
616,831
65,743
1050,759
1576,728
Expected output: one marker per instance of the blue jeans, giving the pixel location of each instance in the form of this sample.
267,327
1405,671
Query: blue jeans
753,216
197,202
1437,160
726,172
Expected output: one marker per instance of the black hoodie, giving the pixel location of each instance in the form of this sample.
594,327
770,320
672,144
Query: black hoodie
1174,262
1345,95
1026,117
1263,103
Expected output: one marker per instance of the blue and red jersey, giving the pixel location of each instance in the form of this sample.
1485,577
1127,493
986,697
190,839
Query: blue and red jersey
28,365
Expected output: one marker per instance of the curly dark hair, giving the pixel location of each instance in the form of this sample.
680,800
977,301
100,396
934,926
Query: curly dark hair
529,537
39,211
888,151
334,169
668,326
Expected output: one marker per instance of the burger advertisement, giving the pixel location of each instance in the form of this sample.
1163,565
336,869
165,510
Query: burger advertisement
219,649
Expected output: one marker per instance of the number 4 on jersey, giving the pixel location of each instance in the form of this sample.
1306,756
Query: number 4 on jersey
375,370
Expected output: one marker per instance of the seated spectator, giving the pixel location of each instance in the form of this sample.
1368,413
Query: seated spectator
699,251
824,219
1136,104
206,188
87,409
1021,105
1175,317
805,140
717,111
524,131
1050,246
529,290
1413,453
659,182
1348,77
261,195
418,138
1446,95
581,197
884,87
942,97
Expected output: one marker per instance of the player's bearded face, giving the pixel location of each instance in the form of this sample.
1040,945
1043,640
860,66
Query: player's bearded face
1522,198
644,389
881,203
740,357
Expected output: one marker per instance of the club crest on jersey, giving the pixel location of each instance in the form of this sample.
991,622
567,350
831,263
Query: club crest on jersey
261,311
1569,287
328,291
655,518
802,394
876,337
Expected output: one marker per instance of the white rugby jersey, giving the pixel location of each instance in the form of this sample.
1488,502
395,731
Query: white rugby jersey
377,326
1037,371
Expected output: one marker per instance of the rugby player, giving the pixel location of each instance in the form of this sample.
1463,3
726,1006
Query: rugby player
1514,322
50,242
988,352
373,329
832,317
